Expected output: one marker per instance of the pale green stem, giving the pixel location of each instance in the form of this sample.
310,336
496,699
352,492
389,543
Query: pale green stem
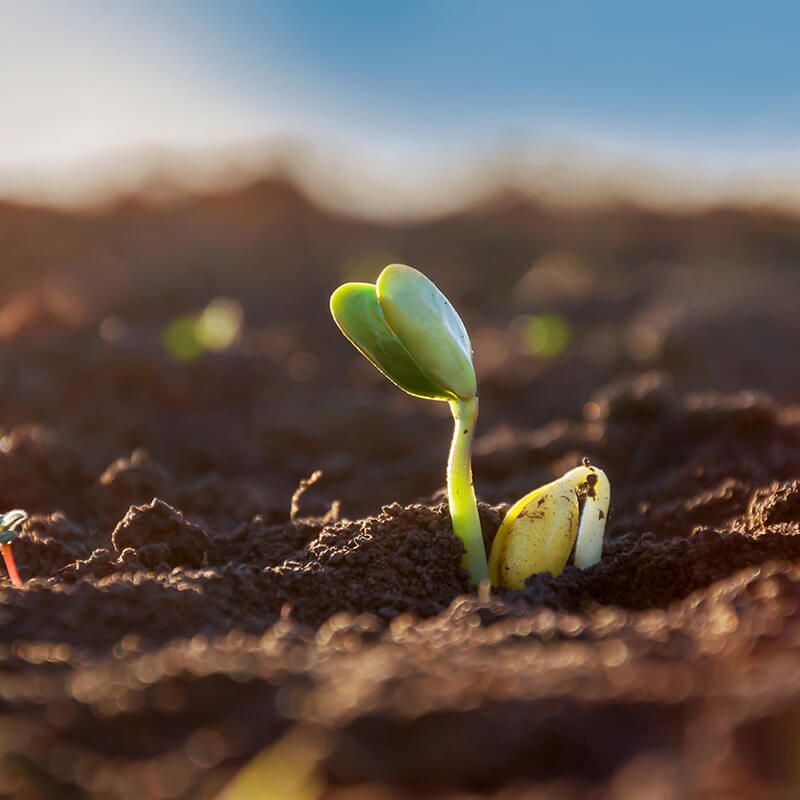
461,493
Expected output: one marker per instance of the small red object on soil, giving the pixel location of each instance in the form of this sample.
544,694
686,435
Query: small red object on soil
11,565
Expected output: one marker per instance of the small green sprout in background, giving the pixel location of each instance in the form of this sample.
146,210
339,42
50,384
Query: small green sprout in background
542,335
9,531
217,327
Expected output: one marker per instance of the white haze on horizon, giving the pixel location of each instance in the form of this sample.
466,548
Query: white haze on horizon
97,100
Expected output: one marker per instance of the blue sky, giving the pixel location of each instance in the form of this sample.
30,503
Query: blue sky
685,81
702,70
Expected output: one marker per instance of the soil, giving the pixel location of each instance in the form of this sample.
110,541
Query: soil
187,609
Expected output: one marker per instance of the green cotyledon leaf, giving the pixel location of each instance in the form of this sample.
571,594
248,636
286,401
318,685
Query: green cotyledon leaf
357,312
428,326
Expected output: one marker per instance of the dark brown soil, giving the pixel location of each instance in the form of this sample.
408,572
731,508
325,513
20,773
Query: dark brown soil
183,613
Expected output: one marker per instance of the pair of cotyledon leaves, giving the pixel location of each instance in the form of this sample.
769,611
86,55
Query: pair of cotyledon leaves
409,330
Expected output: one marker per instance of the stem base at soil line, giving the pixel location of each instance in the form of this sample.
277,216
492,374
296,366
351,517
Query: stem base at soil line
461,492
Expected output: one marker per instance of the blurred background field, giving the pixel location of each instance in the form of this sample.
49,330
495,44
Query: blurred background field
601,192
211,311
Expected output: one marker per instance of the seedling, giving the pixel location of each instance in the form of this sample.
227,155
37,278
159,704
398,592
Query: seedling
9,524
409,330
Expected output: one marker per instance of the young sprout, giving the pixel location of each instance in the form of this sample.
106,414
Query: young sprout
540,531
409,330
9,524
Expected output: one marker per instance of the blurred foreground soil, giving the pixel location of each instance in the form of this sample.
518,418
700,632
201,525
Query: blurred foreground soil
177,621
